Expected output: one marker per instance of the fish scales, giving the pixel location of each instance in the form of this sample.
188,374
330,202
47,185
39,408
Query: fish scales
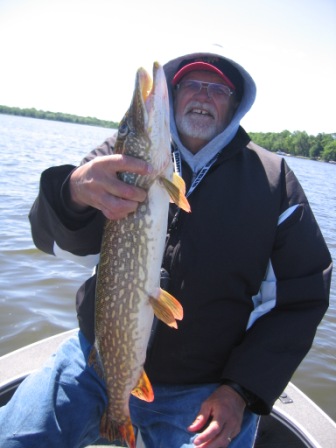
128,278
124,302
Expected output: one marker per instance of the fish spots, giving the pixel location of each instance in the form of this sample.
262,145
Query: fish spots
142,274
120,294
131,253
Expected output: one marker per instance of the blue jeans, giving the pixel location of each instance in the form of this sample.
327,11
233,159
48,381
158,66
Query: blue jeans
61,406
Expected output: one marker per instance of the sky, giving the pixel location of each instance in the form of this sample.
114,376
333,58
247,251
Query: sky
81,56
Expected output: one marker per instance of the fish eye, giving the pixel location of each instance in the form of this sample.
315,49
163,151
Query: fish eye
123,130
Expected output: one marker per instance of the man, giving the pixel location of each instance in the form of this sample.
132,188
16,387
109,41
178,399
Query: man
249,266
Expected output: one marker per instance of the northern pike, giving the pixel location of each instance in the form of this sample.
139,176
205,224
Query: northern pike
128,290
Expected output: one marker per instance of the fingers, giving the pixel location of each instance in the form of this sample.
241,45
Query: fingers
131,164
97,184
116,208
198,423
216,436
116,187
224,410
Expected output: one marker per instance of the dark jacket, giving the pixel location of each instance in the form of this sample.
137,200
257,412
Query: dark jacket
248,264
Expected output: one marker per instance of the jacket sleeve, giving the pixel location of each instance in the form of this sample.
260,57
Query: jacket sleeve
58,230
291,303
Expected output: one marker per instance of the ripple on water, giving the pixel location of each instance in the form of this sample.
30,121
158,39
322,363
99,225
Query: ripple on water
37,296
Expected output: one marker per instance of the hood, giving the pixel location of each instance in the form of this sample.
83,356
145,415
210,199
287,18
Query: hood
197,161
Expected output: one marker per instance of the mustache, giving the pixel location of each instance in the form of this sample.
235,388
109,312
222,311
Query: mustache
207,107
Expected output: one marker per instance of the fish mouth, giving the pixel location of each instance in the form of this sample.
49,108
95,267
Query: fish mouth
152,90
151,108
147,119
145,87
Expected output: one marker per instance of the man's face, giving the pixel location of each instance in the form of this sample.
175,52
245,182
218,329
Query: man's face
199,117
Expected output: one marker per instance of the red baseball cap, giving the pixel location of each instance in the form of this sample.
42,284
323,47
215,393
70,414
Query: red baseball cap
201,66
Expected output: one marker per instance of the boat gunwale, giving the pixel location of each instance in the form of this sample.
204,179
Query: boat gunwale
298,413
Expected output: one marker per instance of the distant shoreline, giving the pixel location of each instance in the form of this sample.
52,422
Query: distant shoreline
297,144
57,116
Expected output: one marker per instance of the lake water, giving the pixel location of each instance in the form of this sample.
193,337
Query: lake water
37,290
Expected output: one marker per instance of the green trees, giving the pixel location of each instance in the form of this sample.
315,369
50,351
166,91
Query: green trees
329,152
57,116
298,143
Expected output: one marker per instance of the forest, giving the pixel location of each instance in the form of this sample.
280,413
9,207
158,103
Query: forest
57,116
298,143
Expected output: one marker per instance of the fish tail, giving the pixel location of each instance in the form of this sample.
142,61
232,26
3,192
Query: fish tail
127,433
111,431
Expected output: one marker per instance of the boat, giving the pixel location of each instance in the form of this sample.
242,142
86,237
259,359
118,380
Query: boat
283,153
295,421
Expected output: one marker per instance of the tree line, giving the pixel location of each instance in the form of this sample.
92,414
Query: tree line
57,116
298,143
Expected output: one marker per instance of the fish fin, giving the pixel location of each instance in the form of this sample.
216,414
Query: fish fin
173,304
179,182
143,390
111,431
127,433
167,308
176,191
94,362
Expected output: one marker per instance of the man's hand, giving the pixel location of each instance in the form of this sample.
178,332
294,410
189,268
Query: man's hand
224,409
96,184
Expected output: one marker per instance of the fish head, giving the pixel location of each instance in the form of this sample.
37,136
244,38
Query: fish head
144,131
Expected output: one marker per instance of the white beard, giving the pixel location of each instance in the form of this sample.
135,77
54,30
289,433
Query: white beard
198,125
197,128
